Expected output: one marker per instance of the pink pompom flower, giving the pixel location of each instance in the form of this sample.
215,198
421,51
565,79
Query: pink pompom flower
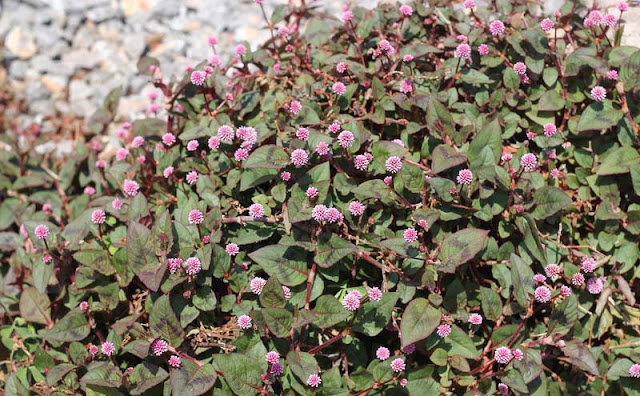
257,284
382,353
406,10
361,162
295,107
577,279
272,357
84,306
213,142
483,49
334,127
299,157
443,330
475,319
552,270
130,188
168,171
550,129
542,294
333,215
196,217
374,294
463,51
174,361
108,348
192,145
319,212
192,177
634,371
547,24
226,133
465,176
116,204
410,235
622,6
351,300
469,3
407,58
198,77
322,148
612,75
398,365
98,216
244,321
173,264
193,266
595,285
528,162
232,249
346,139
342,67
503,389
598,93
41,231
312,192
159,346
393,164
256,211
338,88
241,50
496,28
520,68
503,355
314,380
302,133
356,208
588,264
241,154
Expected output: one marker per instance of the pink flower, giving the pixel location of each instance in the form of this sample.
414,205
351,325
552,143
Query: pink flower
192,145
382,353
388,180
539,278
272,357
314,380
295,107
547,24
463,51
346,139
634,371
555,173
351,301
595,285
287,292
212,40
137,141
98,216
198,77
174,361
192,177
361,162
398,365
214,142
141,159
577,279
41,231
410,235
338,88
496,28
302,133
193,266
465,176
550,130
588,264
517,354
347,16
334,127
241,50
168,139
393,164
374,294
322,148
319,212
283,31
173,264
89,190
506,158
622,6
610,20
257,284
552,270
406,10
386,47
159,346
84,306
502,355
443,330
469,3
299,157
101,164
462,39
565,291
244,321
167,172
598,93
312,192
130,188
542,294
503,388
520,68
241,154
475,319
285,176
256,211
409,349
92,349
483,49
407,58
612,75
47,259
333,215
596,17
116,204
342,67
108,348
232,249
406,86
403,382
276,369
196,217
226,133
528,162
356,208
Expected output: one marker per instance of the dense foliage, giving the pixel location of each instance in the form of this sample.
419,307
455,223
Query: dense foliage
416,200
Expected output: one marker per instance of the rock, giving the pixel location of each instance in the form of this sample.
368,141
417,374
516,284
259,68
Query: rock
54,83
131,8
79,59
20,42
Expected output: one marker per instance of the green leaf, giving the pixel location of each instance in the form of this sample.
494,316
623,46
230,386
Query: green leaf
268,156
240,372
581,357
511,79
583,57
96,259
272,295
102,374
532,243
472,76
288,264
599,115
551,101
302,364
419,320
331,249
204,299
164,323
191,379
549,201
619,161
278,320
328,312
445,157
522,280
142,258
460,247
563,317
145,376
373,316
491,303
72,327
489,136
58,372
459,343
34,306
373,189
629,74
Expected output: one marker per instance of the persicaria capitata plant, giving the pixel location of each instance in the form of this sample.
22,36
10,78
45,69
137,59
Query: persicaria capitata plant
417,199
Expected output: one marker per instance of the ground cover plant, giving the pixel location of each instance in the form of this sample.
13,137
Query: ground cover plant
413,200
